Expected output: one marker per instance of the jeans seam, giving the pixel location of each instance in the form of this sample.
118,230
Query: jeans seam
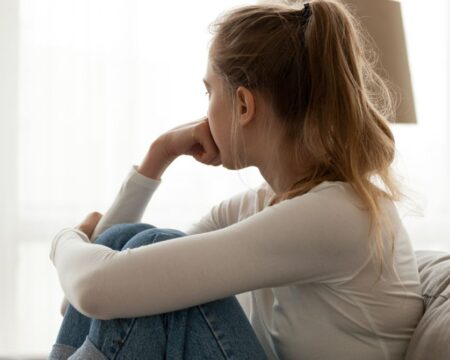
125,339
213,332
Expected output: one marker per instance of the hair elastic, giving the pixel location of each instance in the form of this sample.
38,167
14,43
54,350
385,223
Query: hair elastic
306,12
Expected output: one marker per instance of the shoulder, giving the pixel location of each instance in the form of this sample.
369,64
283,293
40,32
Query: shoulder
330,194
332,209
324,230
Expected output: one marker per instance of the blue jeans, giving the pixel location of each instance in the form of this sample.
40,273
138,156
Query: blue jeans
214,330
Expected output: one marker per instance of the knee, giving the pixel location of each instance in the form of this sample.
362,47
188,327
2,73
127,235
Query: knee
110,236
129,227
151,236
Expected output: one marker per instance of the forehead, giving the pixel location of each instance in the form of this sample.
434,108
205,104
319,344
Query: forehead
211,78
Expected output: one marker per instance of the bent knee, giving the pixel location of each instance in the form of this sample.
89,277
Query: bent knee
129,227
110,235
151,236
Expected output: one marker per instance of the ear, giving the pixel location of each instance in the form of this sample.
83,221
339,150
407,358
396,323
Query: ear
246,104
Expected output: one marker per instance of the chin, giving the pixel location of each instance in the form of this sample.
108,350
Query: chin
230,165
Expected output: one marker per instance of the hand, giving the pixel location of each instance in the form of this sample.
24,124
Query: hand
87,226
194,139
89,223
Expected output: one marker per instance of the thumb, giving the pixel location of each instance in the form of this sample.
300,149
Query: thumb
93,217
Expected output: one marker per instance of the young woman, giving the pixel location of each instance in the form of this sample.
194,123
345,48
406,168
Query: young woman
319,248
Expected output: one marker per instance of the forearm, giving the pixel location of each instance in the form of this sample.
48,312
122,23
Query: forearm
156,161
76,263
131,196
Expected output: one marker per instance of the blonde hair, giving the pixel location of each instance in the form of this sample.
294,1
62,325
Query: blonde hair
319,77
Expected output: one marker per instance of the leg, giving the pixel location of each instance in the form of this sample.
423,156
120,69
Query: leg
214,330
75,326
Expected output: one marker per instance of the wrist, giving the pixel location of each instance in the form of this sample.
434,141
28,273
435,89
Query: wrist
156,161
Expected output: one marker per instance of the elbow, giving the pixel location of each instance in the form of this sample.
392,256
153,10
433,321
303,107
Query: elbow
87,306
88,300
92,310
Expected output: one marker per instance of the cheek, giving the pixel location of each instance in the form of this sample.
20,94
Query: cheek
213,117
215,132
212,121
218,119
212,104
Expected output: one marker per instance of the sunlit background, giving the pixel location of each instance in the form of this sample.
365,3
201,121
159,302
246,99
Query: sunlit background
87,85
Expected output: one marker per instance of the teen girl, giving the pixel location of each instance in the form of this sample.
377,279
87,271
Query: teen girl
319,248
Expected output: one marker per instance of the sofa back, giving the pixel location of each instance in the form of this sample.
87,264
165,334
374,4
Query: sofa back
431,339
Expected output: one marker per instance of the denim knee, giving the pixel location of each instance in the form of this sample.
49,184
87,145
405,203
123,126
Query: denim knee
151,236
110,237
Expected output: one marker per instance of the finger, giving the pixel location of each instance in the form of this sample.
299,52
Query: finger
211,149
189,124
95,215
92,219
196,149
216,161
83,229
199,150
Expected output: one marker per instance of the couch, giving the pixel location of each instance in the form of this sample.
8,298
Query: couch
431,339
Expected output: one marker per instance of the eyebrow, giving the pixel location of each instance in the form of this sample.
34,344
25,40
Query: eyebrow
206,83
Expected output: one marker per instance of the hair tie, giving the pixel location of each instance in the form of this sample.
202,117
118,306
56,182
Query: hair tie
305,13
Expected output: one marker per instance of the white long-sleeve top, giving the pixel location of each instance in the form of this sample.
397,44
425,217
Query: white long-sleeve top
305,265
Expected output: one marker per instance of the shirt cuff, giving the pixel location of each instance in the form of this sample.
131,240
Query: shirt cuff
138,178
60,234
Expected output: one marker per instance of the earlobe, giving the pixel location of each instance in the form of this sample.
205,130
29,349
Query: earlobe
246,105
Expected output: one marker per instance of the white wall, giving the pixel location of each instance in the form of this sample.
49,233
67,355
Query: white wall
423,149
9,28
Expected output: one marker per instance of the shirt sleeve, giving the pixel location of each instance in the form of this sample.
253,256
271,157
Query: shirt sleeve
130,203
306,239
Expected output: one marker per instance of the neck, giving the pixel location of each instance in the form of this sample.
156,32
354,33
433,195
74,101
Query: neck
281,175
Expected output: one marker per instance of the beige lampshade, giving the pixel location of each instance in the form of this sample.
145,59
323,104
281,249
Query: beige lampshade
383,21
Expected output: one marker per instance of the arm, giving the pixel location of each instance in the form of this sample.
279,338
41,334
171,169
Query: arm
137,189
306,239
130,203
127,207
193,138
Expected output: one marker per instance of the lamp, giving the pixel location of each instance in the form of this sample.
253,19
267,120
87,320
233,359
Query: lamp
382,19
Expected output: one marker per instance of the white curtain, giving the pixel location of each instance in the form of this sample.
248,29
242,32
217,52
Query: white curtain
87,85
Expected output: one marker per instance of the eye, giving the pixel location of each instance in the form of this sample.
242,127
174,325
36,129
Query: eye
207,93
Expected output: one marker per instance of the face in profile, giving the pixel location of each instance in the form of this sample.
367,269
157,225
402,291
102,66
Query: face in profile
219,114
